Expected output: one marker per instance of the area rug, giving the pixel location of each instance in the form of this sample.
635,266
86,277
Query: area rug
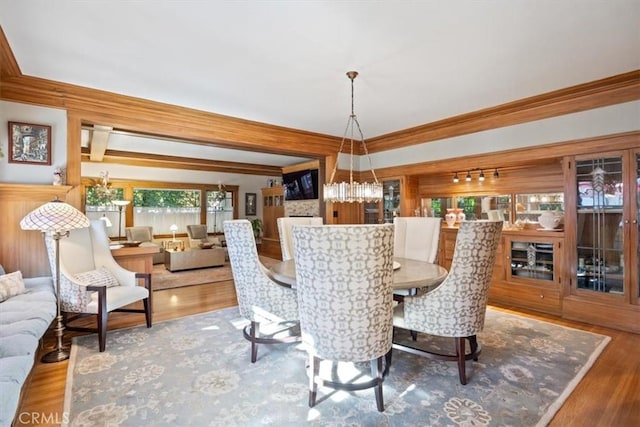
195,371
161,278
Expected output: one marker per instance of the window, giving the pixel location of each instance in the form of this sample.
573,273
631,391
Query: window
98,204
219,209
161,208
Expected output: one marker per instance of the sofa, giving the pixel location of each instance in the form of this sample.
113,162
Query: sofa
24,319
144,234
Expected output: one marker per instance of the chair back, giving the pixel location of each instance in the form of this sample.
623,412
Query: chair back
457,307
259,297
344,278
417,238
285,225
139,233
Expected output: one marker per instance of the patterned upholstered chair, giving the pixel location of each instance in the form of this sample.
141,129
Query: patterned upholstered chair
93,283
286,237
260,300
344,277
198,236
457,307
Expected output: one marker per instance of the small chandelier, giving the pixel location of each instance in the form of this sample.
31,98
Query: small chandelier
352,191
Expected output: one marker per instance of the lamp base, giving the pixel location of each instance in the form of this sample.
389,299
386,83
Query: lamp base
57,355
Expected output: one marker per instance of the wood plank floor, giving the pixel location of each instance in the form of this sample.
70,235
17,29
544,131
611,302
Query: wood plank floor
608,396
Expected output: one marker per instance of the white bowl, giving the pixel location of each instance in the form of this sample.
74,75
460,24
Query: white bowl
549,221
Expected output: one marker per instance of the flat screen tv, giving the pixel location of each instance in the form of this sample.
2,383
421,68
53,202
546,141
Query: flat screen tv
301,185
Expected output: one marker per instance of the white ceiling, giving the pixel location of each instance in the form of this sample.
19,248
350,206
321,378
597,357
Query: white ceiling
284,62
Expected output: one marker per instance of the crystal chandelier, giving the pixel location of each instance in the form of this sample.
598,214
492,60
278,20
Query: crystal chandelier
352,191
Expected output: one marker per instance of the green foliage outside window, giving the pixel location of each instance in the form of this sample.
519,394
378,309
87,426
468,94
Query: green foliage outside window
166,198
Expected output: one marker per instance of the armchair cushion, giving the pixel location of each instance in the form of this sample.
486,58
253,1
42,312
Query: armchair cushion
11,285
99,277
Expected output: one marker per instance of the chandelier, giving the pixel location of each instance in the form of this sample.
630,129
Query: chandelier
352,191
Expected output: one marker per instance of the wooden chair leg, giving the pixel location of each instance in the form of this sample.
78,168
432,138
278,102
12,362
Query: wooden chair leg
147,311
460,348
387,363
102,319
473,343
254,345
376,372
314,371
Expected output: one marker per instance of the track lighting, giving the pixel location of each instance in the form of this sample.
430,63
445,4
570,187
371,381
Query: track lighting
481,176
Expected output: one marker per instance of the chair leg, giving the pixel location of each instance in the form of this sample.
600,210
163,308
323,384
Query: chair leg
102,319
414,335
376,372
460,349
147,311
387,363
473,343
254,345
314,371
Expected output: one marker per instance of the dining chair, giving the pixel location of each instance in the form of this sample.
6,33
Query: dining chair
344,276
260,300
457,307
417,238
285,225
93,283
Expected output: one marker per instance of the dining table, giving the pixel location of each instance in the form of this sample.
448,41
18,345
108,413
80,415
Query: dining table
408,274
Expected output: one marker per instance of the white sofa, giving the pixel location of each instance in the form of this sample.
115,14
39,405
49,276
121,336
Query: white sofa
24,319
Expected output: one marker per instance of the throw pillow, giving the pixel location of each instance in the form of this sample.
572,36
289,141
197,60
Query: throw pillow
207,245
99,277
11,285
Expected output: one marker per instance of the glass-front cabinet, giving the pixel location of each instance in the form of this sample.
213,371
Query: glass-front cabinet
532,259
602,240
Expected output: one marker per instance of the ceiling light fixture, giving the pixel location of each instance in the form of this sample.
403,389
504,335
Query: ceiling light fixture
468,177
455,178
496,174
352,191
481,176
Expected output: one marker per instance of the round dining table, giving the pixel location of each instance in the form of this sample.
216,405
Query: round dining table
408,274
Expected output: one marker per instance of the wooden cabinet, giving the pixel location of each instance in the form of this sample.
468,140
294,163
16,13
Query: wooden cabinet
272,209
602,239
528,268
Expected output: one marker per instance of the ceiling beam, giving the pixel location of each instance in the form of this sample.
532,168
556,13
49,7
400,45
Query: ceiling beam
185,163
99,141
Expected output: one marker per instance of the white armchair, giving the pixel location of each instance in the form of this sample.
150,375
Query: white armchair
417,238
92,283
198,236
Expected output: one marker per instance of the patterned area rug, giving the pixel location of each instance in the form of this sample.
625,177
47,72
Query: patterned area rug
161,278
196,371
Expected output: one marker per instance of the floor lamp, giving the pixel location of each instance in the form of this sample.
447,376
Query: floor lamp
120,204
57,219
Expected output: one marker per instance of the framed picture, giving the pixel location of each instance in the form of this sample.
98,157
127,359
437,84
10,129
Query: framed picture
250,204
30,144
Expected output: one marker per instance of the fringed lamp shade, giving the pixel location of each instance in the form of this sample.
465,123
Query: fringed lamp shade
55,216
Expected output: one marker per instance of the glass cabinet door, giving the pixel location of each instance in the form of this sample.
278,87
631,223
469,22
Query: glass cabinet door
532,259
600,227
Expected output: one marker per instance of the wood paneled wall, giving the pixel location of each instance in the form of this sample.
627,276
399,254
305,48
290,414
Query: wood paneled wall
24,249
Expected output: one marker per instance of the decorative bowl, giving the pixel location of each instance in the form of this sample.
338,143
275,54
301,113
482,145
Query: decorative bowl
130,244
549,221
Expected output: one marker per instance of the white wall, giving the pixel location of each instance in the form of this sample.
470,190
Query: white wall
17,173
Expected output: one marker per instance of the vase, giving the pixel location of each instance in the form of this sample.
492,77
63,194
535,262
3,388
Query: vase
450,217
460,216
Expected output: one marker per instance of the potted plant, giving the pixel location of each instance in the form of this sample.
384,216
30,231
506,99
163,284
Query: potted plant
256,224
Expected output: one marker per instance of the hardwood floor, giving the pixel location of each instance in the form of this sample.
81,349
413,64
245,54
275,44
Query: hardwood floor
609,395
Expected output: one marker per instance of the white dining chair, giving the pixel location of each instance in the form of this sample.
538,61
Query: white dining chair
285,225
417,238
